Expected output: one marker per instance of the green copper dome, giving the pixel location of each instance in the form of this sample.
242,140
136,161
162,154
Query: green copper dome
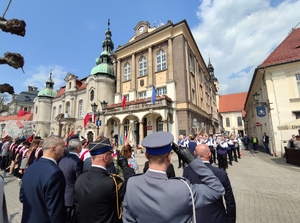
103,68
47,92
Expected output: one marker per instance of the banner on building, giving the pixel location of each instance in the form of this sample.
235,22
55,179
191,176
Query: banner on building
261,111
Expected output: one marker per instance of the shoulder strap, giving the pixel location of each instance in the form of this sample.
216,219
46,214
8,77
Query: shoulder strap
118,186
83,154
193,201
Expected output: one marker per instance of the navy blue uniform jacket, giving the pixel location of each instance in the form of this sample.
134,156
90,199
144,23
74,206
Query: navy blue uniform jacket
42,193
215,212
71,166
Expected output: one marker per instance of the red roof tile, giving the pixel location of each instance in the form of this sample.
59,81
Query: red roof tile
60,92
287,51
27,117
232,102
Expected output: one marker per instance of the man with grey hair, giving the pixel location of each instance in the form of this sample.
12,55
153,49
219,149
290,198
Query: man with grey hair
71,166
43,186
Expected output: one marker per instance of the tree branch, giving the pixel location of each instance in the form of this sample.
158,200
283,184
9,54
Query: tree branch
13,26
14,60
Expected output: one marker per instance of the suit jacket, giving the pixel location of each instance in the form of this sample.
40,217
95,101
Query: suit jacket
96,196
215,212
71,166
42,193
152,197
266,139
170,170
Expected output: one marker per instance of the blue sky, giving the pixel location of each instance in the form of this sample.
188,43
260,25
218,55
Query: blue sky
66,36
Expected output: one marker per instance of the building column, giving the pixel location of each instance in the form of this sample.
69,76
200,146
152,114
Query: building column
141,131
170,59
150,66
119,81
133,73
165,125
106,131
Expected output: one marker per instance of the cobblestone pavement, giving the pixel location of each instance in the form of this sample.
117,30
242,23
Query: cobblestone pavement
266,189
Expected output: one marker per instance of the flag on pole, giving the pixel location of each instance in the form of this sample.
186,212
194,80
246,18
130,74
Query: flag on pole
86,119
121,139
153,98
71,133
30,138
124,102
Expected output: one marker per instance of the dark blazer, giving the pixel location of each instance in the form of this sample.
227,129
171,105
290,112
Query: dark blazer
215,212
71,166
170,170
266,139
42,193
95,196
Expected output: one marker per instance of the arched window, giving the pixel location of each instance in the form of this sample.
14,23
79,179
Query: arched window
227,122
59,109
53,113
143,66
161,60
68,107
127,72
36,109
80,108
92,95
70,85
239,121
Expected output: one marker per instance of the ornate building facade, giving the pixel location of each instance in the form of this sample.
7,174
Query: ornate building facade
164,59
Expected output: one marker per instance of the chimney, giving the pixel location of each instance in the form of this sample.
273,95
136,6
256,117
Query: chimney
35,89
30,88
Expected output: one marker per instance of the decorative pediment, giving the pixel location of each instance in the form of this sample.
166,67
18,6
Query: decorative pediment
70,76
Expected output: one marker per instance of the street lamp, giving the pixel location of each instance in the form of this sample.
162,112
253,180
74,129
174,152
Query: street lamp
98,113
258,103
2,127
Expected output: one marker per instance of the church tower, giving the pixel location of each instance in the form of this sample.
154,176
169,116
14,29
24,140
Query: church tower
43,108
101,83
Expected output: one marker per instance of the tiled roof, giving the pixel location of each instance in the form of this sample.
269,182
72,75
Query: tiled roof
27,117
60,92
232,102
287,51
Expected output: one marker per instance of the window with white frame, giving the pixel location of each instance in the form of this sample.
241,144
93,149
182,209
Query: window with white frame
298,83
142,94
80,108
161,91
68,107
127,72
160,125
239,121
161,60
53,113
227,122
143,66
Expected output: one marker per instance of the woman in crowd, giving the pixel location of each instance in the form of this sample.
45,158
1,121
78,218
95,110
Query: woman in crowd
127,153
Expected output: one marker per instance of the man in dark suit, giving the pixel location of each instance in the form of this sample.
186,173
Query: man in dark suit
265,140
71,166
98,194
214,212
43,186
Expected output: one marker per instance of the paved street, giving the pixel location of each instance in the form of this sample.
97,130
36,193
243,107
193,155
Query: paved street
266,189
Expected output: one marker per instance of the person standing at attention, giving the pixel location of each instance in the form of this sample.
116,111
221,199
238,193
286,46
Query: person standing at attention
71,166
148,193
43,186
215,212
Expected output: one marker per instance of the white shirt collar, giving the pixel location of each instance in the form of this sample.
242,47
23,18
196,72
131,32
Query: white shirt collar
53,160
157,171
98,166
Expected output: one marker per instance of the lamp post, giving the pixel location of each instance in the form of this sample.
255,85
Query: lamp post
98,113
259,103
2,127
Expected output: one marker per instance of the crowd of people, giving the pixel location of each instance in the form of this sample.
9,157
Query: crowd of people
224,149
75,180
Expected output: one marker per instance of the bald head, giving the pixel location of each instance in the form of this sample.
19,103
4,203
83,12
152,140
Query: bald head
203,152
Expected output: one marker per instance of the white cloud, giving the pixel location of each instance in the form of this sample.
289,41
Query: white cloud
241,34
41,74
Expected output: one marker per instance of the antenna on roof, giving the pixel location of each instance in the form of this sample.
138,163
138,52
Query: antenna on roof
294,27
108,24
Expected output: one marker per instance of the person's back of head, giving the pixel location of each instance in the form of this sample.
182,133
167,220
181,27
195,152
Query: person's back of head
203,151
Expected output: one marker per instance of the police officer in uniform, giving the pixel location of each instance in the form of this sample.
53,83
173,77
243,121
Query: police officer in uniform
98,194
152,197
